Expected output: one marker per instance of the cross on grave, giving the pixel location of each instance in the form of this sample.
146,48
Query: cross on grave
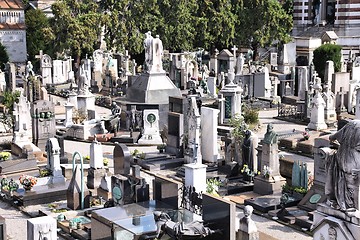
71,60
234,48
40,56
315,75
342,94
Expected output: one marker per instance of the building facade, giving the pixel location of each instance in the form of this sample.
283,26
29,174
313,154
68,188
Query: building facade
13,30
312,18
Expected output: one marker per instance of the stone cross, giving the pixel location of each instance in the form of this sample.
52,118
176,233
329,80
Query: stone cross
40,56
234,48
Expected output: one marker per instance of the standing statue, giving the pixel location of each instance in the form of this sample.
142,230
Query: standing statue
148,42
249,152
270,136
158,54
343,168
240,64
29,70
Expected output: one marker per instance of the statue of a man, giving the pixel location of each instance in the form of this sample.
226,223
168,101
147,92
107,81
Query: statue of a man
270,135
148,49
343,168
158,54
240,64
29,70
249,152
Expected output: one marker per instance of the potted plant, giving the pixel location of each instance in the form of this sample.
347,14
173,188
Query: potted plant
248,175
4,156
161,147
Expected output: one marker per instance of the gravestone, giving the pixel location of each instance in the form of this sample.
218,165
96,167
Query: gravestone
303,82
167,191
22,125
231,106
43,122
270,181
53,155
41,228
209,138
316,194
58,76
211,84
2,82
151,134
96,170
45,67
120,190
221,213
329,110
10,75
195,171
317,119
192,149
122,158
262,83
357,111
340,87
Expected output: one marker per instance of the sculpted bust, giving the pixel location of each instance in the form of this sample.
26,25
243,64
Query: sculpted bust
270,136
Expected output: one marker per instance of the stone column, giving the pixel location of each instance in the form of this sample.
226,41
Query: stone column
68,114
209,146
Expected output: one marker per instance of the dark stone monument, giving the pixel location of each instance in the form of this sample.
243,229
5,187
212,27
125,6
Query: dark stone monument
73,193
43,122
121,159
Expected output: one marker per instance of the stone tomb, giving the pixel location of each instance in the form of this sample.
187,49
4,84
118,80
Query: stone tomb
41,194
151,134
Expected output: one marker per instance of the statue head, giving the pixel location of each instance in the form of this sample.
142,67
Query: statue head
248,211
270,127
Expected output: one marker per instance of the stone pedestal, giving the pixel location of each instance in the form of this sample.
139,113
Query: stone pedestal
195,175
94,177
41,228
269,185
85,103
270,158
72,98
231,106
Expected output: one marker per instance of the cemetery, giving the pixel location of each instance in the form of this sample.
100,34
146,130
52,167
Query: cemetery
204,144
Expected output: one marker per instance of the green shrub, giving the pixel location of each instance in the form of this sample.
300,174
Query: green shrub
251,115
325,53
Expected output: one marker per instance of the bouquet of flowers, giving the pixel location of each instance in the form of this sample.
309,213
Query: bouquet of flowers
266,171
306,135
27,181
246,170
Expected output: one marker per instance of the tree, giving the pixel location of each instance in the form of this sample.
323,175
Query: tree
76,27
8,99
325,53
4,57
215,24
261,23
126,22
179,32
38,34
